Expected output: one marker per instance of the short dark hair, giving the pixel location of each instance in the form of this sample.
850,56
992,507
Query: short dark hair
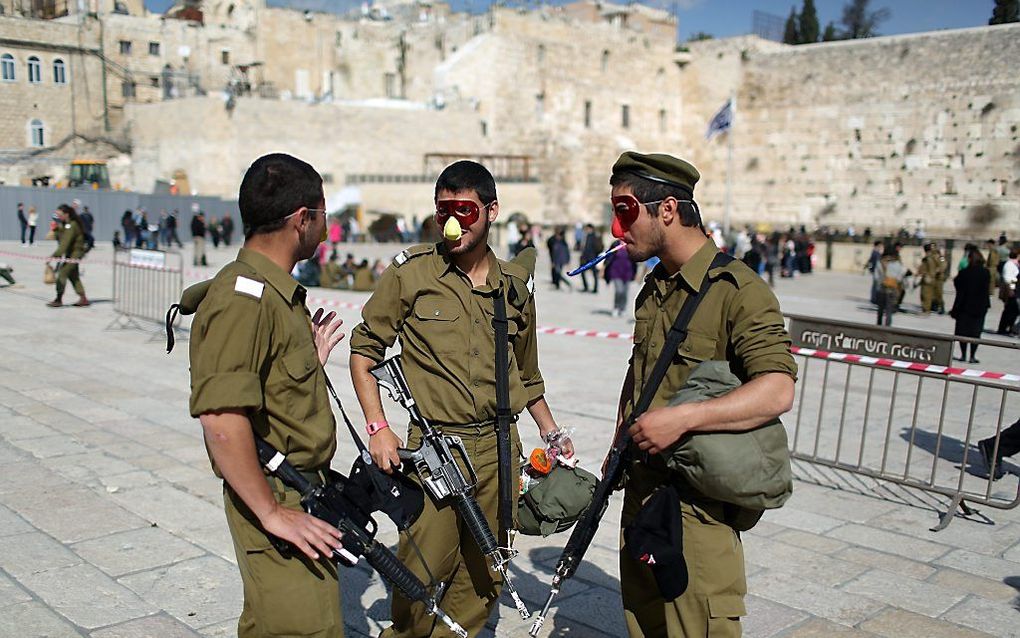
646,190
466,175
273,187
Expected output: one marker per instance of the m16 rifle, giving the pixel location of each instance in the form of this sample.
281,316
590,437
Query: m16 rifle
436,465
336,503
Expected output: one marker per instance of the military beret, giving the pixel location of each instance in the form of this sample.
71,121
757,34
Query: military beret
659,167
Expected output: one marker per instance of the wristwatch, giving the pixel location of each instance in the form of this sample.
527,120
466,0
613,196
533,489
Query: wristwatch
376,426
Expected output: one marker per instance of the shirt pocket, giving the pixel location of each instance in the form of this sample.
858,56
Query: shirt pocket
298,381
697,347
436,321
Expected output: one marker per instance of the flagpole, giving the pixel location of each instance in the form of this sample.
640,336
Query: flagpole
729,168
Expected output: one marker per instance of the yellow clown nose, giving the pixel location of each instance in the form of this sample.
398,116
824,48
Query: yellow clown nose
452,230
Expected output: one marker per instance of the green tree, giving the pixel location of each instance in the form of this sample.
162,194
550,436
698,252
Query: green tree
790,35
808,27
859,21
1005,11
698,36
830,33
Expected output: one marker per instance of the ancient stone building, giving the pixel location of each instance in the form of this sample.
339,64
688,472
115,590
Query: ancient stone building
912,131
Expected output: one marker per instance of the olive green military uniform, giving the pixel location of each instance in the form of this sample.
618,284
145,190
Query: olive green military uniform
71,245
738,321
448,351
993,270
932,279
332,275
252,349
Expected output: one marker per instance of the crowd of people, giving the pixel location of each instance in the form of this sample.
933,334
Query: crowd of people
325,270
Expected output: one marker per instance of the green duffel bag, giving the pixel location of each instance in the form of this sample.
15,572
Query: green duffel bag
750,469
555,501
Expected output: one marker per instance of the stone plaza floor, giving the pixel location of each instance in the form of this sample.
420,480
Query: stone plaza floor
111,522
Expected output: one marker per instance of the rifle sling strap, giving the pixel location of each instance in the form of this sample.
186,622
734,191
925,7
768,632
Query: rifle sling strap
503,416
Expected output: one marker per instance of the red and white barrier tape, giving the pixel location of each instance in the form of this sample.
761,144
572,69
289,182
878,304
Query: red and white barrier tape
904,365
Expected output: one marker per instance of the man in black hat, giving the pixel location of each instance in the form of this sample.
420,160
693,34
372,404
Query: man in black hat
738,321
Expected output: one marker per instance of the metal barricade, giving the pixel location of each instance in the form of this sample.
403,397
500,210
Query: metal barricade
145,283
912,427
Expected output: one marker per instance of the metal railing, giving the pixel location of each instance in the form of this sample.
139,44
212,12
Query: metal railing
913,428
145,283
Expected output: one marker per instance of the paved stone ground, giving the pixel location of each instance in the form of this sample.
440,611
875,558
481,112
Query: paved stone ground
112,525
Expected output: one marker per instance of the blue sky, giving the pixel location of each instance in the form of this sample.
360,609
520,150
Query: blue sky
724,18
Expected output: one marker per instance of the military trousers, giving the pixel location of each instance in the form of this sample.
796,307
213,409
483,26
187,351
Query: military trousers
927,297
449,549
69,272
714,600
283,596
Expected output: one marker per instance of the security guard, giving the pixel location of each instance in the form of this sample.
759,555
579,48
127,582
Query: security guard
256,364
738,321
931,272
438,299
71,246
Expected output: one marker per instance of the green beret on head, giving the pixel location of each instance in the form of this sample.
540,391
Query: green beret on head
659,167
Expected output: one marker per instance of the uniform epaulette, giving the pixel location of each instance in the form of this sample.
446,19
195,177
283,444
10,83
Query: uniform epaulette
410,253
522,276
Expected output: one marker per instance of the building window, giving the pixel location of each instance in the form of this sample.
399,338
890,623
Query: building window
540,104
59,72
34,70
485,133
154,81
625,116
154,48
125,47
587,114
7,63
37,133
662,120
225,56
390,85
541,53
605,60
127,89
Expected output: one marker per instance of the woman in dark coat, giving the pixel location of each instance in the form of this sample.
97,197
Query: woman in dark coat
971,303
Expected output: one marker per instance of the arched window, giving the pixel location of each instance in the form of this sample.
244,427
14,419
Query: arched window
34,70
59,72
7,64
605,60
37,133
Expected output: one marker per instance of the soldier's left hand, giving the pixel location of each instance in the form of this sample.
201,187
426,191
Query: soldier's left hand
326,332
656,430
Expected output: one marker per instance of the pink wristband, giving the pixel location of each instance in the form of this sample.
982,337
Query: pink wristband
376,426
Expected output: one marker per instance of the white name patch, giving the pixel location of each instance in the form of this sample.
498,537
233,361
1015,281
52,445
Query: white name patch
249,287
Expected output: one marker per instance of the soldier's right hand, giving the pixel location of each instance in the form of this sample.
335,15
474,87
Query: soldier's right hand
383,447
309,534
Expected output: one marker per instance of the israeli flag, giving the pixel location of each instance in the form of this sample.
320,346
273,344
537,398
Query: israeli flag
721,121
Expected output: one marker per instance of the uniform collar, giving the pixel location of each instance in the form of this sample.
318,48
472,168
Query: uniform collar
286,285
691,274
445,266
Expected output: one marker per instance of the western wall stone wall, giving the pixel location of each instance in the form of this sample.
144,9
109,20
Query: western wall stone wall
915,130
215,146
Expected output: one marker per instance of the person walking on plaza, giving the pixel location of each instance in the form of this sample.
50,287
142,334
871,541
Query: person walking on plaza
930,272
971,303
590,249
198,236
739,321
889,276
559,257
994,265
873,259
71,245
620,271
226,229
1008,294
88,222
439,300
1009,444
257,360
171,225
22,222
33,221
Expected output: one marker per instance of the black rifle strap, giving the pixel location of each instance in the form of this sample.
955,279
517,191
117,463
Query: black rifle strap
354,433
503,415
674,338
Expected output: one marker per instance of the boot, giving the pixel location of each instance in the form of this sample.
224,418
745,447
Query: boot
56,303
82,302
